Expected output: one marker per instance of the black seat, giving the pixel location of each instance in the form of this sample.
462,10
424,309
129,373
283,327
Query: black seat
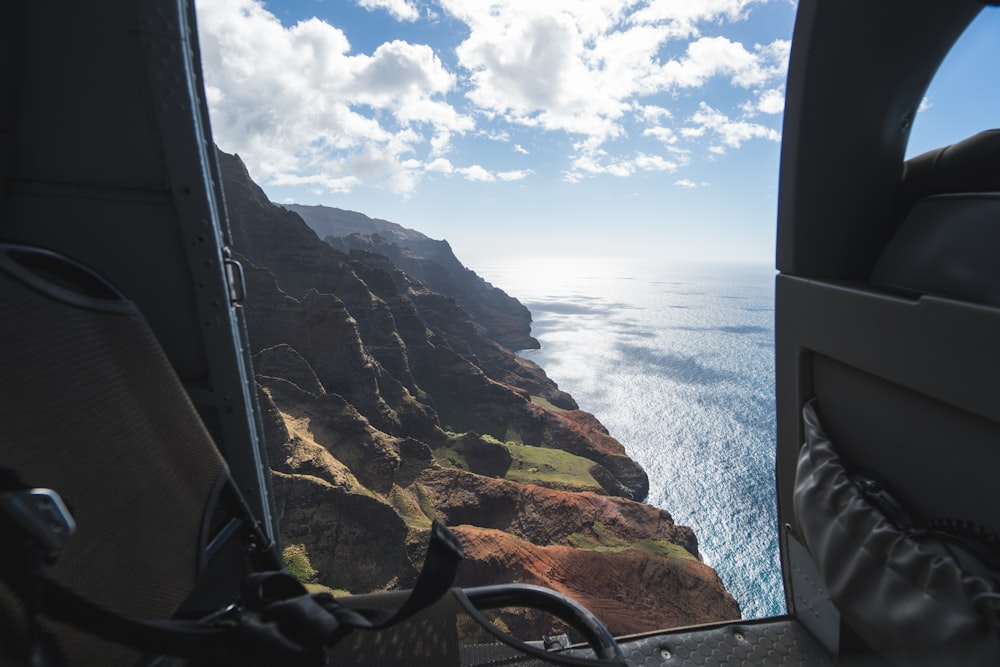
92,409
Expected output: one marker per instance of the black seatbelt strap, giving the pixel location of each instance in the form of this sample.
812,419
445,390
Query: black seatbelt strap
444,553
36,524
289,614
276,620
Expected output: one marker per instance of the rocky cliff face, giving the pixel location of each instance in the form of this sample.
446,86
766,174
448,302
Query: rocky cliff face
388,403
431,262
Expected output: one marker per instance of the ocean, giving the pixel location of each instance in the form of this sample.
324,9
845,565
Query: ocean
677,361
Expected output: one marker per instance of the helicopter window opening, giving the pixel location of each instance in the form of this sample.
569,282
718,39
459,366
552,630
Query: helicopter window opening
653,301
941,245
964,95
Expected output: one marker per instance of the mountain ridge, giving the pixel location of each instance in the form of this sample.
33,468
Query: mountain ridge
430,261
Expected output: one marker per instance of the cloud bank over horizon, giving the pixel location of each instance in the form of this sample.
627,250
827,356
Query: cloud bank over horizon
620,88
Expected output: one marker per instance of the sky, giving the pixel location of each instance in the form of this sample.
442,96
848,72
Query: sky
646,128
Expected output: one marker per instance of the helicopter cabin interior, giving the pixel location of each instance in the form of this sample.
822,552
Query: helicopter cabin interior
887,304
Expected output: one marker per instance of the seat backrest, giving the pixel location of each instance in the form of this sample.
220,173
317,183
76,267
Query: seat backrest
92,409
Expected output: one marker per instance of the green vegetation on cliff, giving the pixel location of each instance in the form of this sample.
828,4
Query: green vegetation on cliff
553,468
542,403
600,538
297,563
527,464
408,505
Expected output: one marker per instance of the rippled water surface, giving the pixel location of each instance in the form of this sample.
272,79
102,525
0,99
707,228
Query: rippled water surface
678,363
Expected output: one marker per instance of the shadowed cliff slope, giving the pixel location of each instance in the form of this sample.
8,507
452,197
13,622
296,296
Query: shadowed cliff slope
388,403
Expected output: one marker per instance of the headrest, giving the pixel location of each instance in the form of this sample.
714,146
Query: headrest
971,165
946,242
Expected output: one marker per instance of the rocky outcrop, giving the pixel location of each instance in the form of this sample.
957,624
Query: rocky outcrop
388,403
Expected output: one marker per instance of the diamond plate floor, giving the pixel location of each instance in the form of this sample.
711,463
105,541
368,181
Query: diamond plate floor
771,643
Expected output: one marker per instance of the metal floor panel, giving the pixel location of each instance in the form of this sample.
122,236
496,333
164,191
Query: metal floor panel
769,643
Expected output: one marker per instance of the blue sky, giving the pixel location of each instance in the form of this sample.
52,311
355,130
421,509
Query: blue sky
647,128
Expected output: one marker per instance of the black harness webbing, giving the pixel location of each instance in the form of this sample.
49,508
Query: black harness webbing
277,621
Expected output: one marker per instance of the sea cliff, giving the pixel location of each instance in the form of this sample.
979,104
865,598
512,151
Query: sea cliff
391,397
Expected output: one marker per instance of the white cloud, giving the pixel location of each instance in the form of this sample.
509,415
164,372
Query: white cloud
514,175
682,17
709,57
651,113
323,182
477,173
925,104
771,101
693,132
518,148
644,162
688,184
599,162
529,67
578,67
480,174
401,10
296,105
440,165
777,54
397,72
731,133
664,134
441,142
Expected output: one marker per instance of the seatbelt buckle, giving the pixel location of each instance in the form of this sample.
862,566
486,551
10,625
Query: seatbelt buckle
42,514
